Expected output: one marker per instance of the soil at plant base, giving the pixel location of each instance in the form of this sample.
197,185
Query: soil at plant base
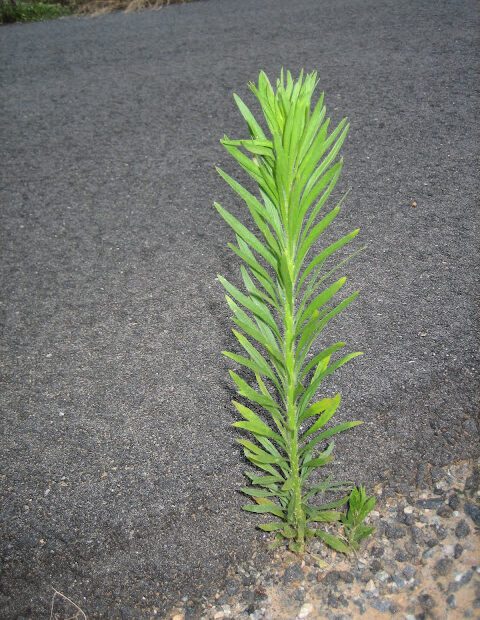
422,562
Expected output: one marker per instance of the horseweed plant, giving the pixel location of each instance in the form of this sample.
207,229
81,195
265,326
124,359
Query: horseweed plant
286,306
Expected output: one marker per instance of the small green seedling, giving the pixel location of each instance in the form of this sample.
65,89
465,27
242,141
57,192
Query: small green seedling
359,506
288,299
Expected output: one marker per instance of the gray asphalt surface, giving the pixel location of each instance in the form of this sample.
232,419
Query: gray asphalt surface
119,468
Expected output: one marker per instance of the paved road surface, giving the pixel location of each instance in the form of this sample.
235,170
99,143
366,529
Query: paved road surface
119,465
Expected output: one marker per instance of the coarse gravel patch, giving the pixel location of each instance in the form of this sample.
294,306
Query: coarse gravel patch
429,568
119,468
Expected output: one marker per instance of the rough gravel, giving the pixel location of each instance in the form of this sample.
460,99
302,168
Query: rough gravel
119,467
422,562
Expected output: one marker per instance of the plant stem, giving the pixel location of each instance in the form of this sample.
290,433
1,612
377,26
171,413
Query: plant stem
289,317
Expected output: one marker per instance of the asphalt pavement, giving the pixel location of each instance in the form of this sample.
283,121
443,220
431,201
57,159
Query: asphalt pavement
119,469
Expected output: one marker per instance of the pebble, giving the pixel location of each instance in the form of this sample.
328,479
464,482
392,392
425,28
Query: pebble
347,576
437,474
377,552
331,578
430,504
472,484
464,578
305,611
457,551
443,567
393,532
382,575
401,556
365,576
381,604
470,427
420,476
293,573
445,511
399,581
454,501
462,530
360,604
441,532
426,601
299,595
451,601
473,512
412,550
333,601
409,571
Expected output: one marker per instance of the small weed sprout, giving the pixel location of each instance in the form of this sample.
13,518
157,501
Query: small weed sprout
288,300
359,507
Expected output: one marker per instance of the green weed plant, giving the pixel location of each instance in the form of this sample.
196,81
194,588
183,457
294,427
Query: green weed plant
18,11
289,298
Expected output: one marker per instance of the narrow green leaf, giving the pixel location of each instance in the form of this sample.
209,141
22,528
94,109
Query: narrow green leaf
262,457
245,162
255,130
258,297
321,299
321,356
333,541
252,492
264,481
244,361
260,311
327,485
245,322
307,244
324,516
319,461
248,392
322,257
272,526
257,357
288,485
338,503
312,127
246,235
262,275
316,408
340,428
315,326
269,507
261,215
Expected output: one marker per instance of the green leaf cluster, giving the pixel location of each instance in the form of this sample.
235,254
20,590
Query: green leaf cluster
359,506
288,298
29,11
